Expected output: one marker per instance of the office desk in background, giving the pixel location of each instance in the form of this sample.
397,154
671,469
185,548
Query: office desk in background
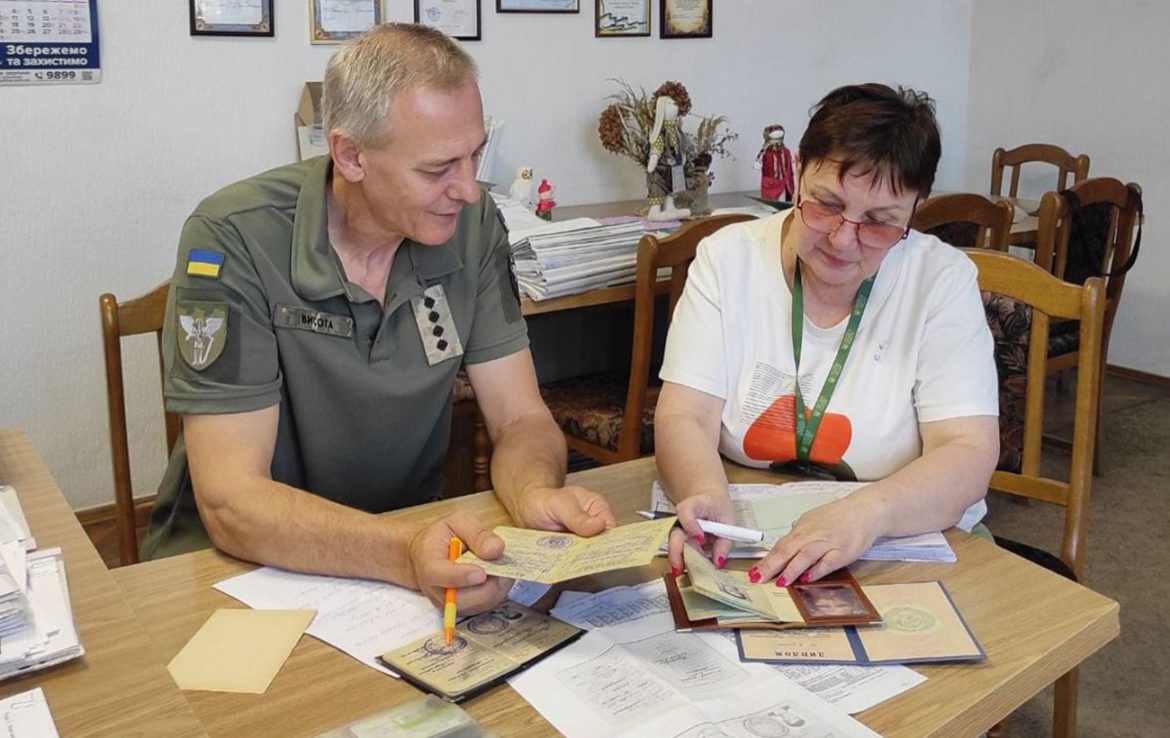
1034,625
120,687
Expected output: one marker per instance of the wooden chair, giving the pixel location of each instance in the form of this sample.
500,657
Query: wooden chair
966,220
1022,300
1066,165
134,317
464,404
1101,228
609,416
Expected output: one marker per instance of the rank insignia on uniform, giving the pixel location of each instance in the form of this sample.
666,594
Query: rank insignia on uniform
204,332
204,263
436,327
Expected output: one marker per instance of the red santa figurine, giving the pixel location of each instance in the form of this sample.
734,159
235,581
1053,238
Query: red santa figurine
545,205
775,163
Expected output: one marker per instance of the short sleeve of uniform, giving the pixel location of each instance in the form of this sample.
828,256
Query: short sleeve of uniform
498,328
695,348
219,350
956,374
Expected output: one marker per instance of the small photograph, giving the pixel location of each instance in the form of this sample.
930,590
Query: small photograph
832,601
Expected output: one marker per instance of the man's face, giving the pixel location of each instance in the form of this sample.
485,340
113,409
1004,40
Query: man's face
417,184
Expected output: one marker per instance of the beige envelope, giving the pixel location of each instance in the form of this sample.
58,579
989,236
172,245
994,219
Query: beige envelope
239,650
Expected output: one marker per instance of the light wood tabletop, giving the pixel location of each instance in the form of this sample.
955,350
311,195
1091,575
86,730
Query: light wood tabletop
1033,624
119,687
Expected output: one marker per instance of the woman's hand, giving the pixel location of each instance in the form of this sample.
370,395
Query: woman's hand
708,506
822,541
433,573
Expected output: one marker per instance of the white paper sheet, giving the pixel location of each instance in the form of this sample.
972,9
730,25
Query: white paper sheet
527,593
26,715
641,678
362,618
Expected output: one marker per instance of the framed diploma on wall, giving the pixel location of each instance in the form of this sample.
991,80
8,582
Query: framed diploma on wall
337,21
538,6
686,19
231,17
622,18
457,18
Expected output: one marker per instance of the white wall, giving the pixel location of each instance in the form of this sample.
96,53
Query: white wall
1091,77
95,181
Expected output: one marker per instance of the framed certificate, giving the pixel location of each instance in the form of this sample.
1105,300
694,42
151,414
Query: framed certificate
337,21
538,6
231,17
685,19
456,18
622,18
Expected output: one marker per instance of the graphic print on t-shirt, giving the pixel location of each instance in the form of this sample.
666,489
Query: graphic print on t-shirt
771,437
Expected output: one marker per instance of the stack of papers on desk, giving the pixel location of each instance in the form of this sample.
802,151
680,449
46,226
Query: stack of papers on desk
46,635
572,256
774,509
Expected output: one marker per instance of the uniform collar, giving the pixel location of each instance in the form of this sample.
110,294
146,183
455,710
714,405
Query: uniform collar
316,272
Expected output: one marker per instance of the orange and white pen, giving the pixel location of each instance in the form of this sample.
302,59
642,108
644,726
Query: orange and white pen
454,551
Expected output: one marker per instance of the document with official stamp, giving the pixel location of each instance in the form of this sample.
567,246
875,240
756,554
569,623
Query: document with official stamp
548,558
487,647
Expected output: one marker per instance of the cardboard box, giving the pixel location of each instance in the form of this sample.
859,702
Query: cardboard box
307,121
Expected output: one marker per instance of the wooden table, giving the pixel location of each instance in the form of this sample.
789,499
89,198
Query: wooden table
120,687
1033,624
1023,233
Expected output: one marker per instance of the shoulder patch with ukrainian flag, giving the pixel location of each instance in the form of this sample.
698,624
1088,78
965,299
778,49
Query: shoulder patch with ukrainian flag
205,263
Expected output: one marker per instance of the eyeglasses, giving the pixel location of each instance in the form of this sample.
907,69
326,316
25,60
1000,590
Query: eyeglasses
825,219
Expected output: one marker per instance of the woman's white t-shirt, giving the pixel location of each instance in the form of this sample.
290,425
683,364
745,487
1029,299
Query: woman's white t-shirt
923,353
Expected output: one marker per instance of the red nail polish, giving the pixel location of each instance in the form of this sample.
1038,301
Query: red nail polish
700,538
720,561
754,575
804,577
781,582
674,570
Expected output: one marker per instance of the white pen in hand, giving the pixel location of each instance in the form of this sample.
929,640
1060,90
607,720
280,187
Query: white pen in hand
721,530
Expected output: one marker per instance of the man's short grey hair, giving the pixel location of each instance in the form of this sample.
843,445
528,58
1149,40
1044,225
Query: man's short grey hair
362,79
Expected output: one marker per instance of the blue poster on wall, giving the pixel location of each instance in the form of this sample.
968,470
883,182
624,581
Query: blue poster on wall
49,42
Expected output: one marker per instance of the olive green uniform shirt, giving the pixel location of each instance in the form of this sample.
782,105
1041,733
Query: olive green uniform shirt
364,392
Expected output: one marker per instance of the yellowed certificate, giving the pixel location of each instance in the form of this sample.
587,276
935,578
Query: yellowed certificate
548,558
239,650
919,624
486,648
812,645
732,588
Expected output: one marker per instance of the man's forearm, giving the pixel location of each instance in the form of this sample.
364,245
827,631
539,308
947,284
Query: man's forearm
529,453
277,525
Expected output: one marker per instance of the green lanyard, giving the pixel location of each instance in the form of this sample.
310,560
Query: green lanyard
806,431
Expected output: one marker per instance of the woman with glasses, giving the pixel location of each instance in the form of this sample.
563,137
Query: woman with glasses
832,340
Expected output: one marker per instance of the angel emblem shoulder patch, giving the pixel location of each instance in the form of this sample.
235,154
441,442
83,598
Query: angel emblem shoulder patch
203,332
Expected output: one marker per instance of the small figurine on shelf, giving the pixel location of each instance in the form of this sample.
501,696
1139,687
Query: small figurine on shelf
521,190
665,171
775,164
545,205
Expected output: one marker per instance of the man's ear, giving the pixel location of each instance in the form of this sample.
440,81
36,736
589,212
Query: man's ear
347,159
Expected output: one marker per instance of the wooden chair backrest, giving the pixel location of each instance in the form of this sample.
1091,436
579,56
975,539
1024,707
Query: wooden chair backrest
1049,298
992,219
1066,164
140,315
675,252
1054,230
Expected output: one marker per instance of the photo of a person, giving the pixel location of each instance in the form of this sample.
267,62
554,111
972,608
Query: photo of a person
831,600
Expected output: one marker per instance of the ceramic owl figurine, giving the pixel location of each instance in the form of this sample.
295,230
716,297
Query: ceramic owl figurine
521,190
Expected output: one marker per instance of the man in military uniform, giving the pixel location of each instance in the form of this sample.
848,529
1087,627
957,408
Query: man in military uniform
318,315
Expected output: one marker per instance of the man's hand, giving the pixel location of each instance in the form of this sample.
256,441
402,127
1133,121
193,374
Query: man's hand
575,509
822,541
433,573
708,506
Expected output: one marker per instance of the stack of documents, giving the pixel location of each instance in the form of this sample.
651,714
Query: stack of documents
774,509
36,620
575,255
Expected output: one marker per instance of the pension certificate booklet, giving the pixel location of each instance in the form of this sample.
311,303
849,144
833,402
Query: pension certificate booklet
487,648
548,558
